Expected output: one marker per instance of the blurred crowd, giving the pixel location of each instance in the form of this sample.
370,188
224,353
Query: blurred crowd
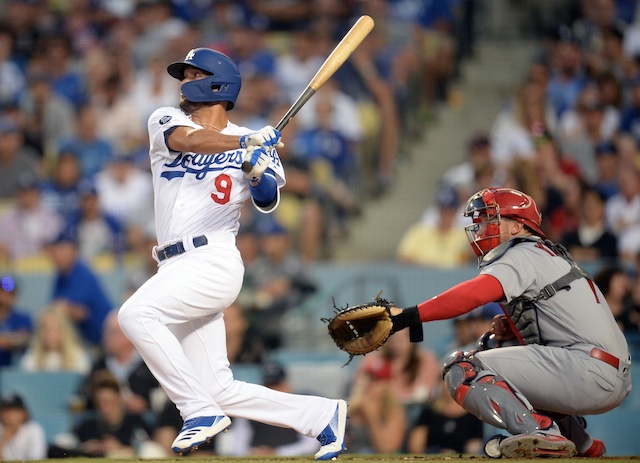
79,79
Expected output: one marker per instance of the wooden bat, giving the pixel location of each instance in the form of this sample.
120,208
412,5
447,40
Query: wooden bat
338,56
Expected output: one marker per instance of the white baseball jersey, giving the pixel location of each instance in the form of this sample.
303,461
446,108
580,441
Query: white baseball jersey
197,193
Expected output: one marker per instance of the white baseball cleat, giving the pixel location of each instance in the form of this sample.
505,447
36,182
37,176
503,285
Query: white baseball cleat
198,431
332,438
537,445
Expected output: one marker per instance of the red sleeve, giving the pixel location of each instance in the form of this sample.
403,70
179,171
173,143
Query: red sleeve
461,299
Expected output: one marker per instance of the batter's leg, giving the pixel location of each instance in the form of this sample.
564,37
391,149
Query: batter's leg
310,415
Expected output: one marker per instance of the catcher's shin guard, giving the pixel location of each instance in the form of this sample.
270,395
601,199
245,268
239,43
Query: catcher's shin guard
492,400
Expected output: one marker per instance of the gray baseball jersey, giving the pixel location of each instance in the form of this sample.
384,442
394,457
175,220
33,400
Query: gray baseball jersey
560,374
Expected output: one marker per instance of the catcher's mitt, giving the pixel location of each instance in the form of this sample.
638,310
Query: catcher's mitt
363,328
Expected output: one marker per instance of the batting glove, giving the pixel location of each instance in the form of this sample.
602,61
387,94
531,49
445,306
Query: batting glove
266,136
258,157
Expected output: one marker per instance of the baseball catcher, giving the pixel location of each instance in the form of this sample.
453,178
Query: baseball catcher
557,331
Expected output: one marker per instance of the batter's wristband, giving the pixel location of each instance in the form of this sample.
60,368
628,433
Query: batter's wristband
243,142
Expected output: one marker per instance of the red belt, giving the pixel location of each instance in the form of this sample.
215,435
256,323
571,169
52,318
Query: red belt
605,357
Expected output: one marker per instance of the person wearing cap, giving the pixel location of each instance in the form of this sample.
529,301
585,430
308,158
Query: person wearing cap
113,431
607,164
16,326
92,150
21,438
98,232
48,116
78,286
279,282
16,158
26,225
125,192
463,176
438,243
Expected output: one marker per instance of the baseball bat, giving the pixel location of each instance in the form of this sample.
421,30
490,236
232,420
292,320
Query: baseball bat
338,56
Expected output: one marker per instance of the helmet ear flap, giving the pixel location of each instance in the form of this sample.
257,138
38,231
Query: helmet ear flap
491,205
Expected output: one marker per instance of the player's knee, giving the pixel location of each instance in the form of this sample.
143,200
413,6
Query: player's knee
458,372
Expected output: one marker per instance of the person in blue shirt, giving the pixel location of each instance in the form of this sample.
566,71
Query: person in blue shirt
76,284
15,326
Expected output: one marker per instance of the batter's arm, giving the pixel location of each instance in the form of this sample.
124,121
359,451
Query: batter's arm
183,139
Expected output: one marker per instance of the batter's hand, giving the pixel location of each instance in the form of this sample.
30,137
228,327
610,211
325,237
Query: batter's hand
258,157
266,136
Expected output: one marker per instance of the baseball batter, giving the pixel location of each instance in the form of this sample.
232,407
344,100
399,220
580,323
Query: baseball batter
175,319
557,352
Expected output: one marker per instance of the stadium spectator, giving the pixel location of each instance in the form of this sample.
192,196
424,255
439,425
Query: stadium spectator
48,117
413,371
438,243
26,225
607,162
125,193
592,240
60,191
77,286
92,150
463,176
120,358
55,345
444,427
66,80
12,78
21,438
622,212
16,158
16,326
112,432
99,234
615,283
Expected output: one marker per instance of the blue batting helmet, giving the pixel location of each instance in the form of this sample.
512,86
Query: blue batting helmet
222,85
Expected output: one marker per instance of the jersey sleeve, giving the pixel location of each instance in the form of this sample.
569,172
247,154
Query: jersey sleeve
515,272
161,123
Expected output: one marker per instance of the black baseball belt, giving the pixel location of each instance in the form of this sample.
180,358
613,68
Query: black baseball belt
176,249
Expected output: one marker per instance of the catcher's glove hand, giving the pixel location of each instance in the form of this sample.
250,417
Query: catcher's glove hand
363,328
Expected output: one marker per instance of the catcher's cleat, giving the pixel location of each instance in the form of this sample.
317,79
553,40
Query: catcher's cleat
198,431
537,445
597,449
332,438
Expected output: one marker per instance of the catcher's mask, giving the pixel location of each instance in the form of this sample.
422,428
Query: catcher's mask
487,207
222,84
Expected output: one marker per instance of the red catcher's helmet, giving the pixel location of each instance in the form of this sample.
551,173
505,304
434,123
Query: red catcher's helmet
487,207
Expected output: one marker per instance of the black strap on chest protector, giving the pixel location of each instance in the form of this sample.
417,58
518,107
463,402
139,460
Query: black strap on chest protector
523,310
564,282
